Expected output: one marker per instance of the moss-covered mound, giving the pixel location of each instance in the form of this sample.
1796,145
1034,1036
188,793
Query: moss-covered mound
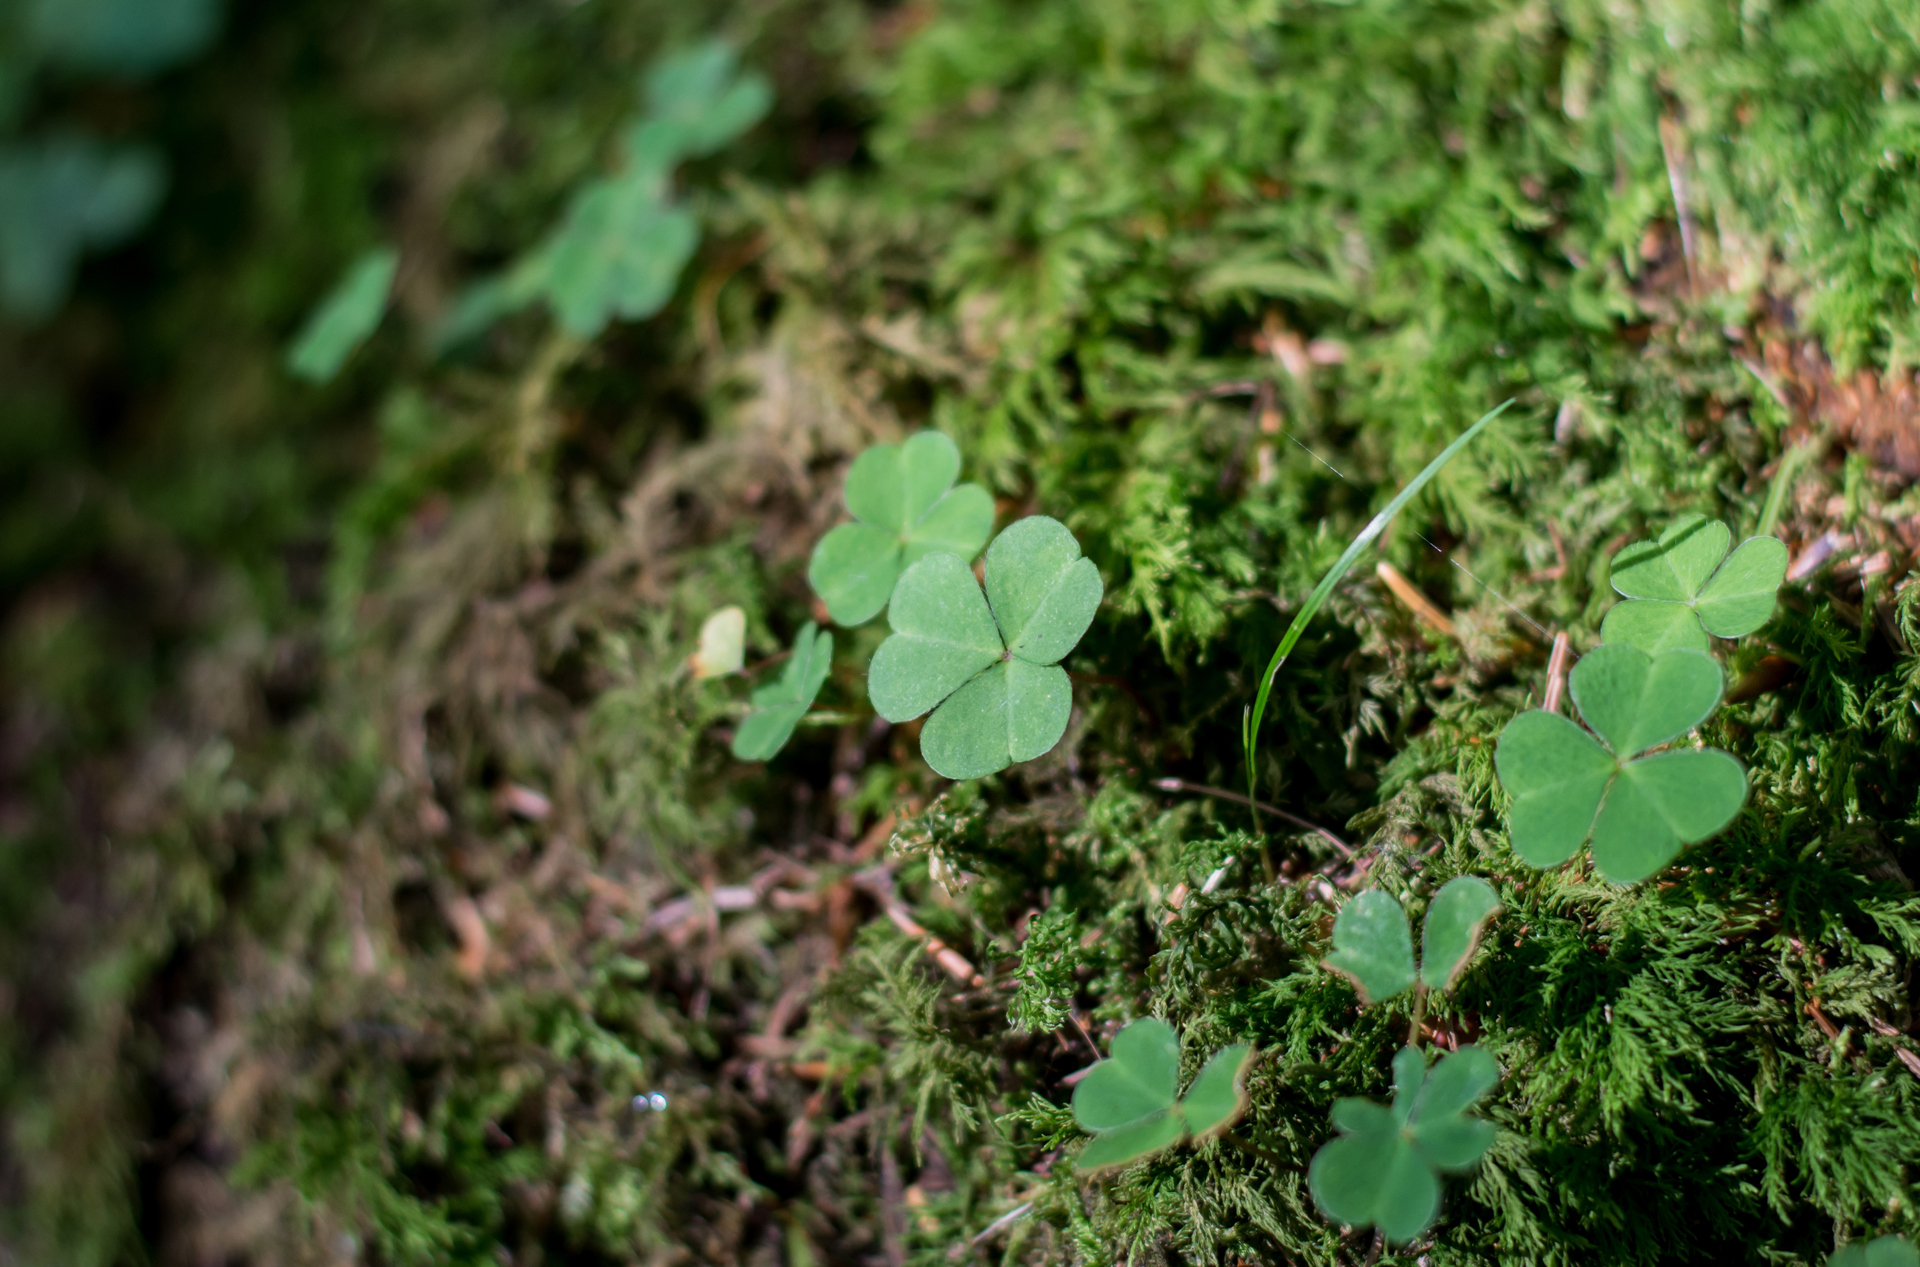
376,884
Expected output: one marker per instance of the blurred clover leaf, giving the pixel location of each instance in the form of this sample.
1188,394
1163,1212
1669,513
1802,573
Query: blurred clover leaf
904,508
1684,586
1882,1251
1383,1169
1373,948
344,320
779,706
129,38
1567,784
59,198
723,644
622,243
987,665
1129,1101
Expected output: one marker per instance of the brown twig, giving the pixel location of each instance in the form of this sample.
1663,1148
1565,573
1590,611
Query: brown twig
1409,593
1557,671
1182,785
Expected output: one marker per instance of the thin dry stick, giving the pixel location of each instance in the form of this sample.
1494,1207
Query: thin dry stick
946,956
1409,593
1181,785
1557,671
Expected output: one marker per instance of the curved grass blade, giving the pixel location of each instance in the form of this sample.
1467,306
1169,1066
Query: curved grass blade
1250,721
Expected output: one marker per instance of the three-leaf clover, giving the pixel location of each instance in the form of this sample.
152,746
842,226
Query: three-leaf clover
1129,1101
1373,948
990,662
1684,586
1882,1251
779,705
1381,1169
1567,785
904,507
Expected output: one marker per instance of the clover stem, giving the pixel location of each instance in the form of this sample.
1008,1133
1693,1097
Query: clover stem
1419,1013
1254,1150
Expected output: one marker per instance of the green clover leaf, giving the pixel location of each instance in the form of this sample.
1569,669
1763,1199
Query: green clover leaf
1567,785
987,665
1129,1102
905,507
344,320
1373,948
1383,1169
1883,1251
779,705
1680,590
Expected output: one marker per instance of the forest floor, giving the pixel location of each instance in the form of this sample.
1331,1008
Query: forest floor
375,882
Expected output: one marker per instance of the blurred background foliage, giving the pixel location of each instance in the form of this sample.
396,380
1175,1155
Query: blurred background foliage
366,850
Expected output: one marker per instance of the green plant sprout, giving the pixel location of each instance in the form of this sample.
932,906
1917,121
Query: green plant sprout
905,507
1882,1251
1568,785
1373,947
779,705
987,665
1683,586
1383,1168
621,246
1250,720
345,318
1129,1104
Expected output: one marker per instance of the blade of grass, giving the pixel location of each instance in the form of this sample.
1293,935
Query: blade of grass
1250,719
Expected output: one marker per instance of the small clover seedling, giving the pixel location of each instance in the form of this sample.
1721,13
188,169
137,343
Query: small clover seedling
1383,1168
778,706
1567,785
1684,586
1129,1102
905,507
723,644
1882,1251
990,663
1373,948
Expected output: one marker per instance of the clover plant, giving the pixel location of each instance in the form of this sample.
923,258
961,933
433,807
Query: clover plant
1882,1251
988,665
1383,1168
623,242
904,507
1683,586
779,705
1130,1104
1569,783
1373,948
345,318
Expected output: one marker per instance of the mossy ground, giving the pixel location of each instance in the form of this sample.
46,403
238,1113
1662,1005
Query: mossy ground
369,849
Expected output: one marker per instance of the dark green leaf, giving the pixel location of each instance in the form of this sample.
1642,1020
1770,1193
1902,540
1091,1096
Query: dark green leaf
1372,946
